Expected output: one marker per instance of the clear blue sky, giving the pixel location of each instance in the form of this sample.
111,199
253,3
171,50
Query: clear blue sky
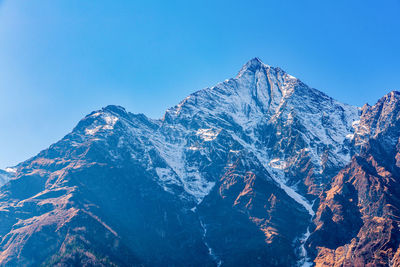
59,60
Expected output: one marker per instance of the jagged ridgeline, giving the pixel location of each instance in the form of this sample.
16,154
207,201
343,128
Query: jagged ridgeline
260,170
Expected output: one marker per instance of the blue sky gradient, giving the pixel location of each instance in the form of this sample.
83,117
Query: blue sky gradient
62,59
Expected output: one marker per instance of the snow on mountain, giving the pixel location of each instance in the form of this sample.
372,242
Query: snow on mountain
6,175
263,102
263,110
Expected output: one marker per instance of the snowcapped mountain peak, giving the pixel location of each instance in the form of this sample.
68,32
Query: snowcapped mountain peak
260,105
255,66
252,66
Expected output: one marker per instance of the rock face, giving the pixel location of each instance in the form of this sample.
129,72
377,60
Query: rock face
362,204
227,177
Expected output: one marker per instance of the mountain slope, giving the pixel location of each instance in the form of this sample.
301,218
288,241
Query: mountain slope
362,205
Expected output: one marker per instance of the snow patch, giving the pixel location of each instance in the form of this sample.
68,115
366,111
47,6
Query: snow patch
189,176
277,163
11,170
93,131
109,122
208,134
167,177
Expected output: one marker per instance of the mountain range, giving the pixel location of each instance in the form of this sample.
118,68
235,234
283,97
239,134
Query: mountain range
259,170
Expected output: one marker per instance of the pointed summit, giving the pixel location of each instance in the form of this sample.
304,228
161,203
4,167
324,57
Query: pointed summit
256,60
252,65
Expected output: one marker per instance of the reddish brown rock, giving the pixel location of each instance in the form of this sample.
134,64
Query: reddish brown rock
357,222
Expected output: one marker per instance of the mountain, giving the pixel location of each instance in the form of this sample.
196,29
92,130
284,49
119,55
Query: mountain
259,170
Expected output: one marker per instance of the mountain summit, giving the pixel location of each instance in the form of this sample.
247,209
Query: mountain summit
219,180
252,65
